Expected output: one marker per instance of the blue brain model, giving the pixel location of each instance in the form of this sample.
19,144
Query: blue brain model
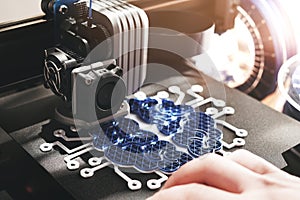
126,144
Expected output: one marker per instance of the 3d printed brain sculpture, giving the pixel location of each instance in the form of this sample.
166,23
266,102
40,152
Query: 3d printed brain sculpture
125,144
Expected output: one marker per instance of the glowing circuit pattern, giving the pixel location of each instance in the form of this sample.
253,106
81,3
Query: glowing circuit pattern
174,134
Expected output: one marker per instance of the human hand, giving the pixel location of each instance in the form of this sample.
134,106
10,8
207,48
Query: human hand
241,175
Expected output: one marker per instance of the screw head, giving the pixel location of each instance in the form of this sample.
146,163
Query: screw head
63,9
88,81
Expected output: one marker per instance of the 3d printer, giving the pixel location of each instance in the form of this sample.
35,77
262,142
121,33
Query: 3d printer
68,23
121,30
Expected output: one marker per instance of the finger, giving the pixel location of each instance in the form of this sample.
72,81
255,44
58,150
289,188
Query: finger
215,171
193,191
252,162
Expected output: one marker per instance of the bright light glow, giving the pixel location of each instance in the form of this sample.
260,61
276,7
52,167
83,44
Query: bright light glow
233,53
292,8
